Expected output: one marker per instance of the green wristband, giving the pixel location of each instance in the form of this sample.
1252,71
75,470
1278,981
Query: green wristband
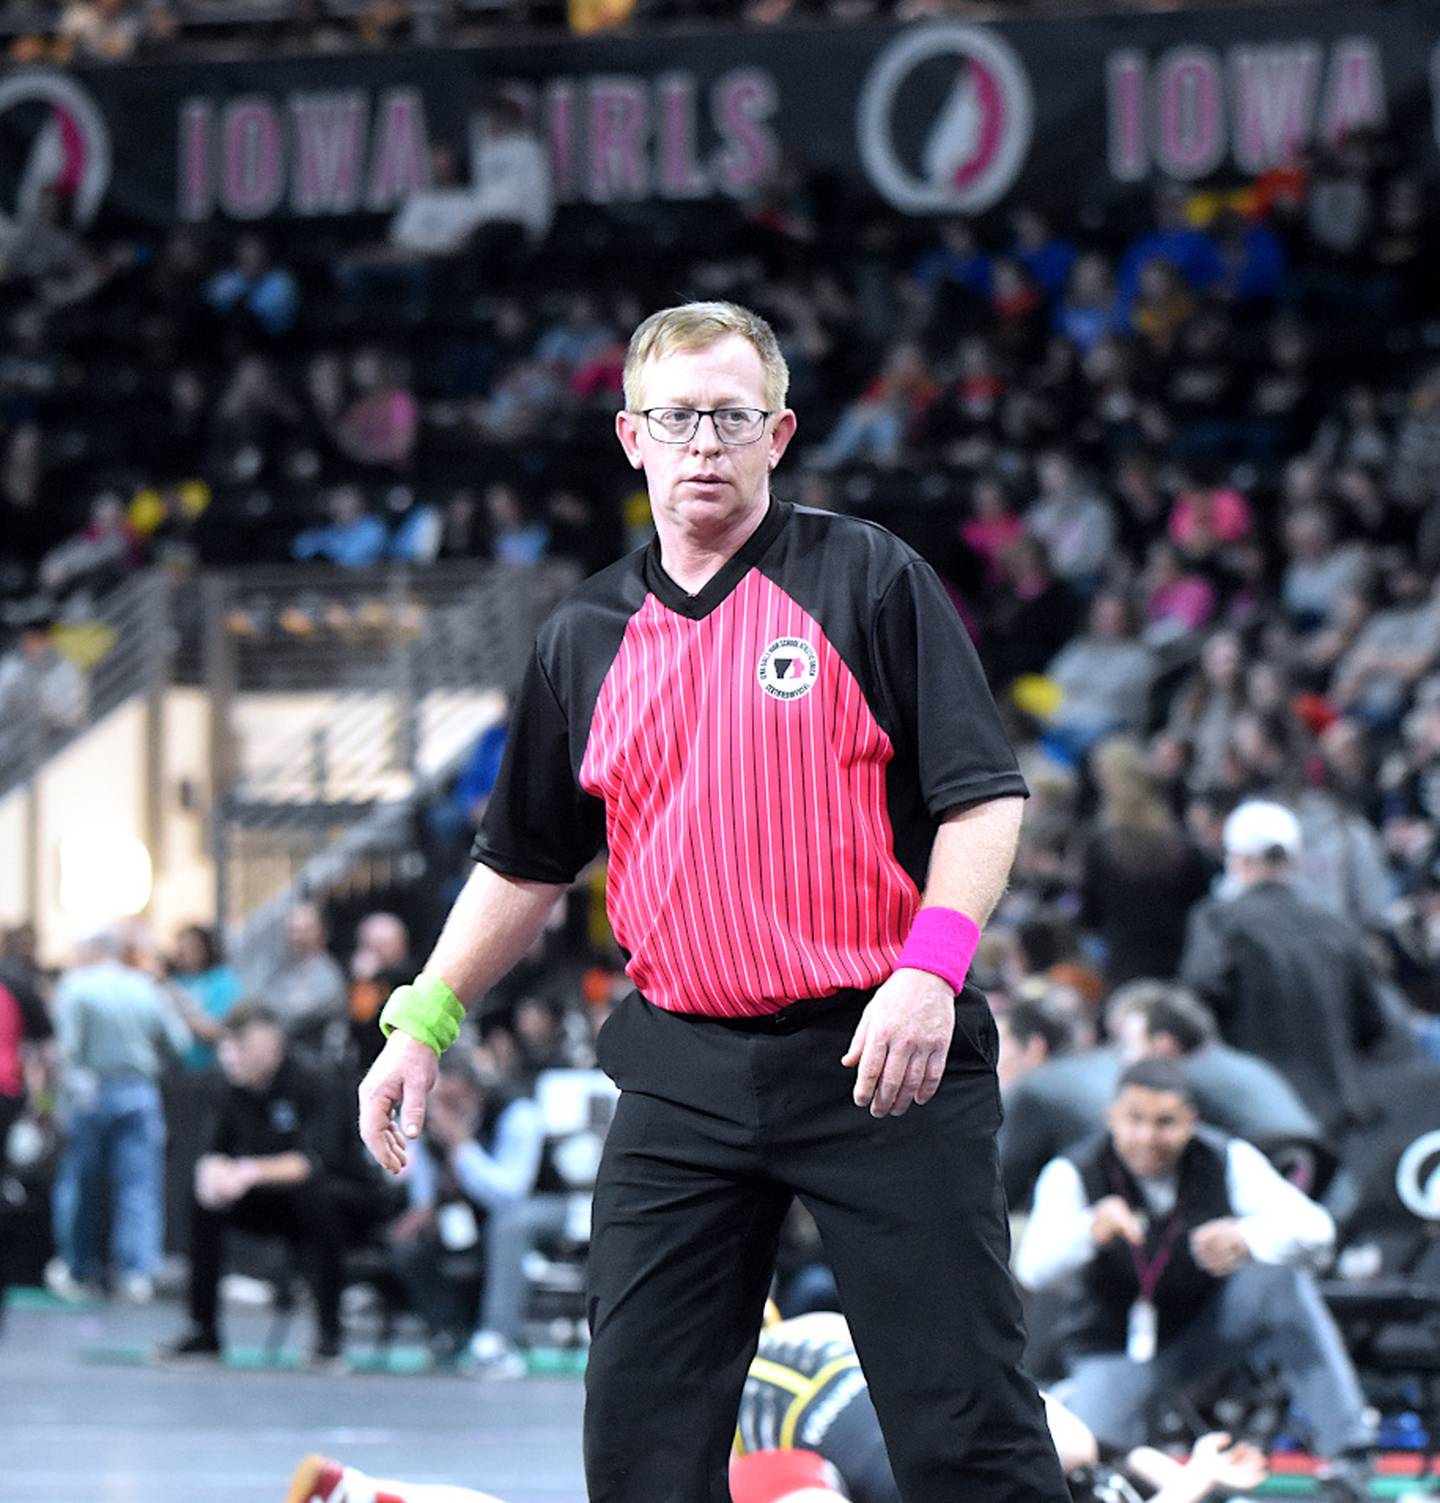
427,1010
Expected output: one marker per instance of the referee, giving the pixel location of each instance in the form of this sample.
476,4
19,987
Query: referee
777,722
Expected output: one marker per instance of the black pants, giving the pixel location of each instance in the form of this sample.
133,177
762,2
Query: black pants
419,1268
319,1219
718,1125
10,1109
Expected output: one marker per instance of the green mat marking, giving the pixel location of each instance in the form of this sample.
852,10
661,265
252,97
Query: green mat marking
556,1362
403,1361
1380,1487
28,1297
116,1356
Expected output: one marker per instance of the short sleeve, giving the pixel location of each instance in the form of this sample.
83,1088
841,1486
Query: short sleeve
934,686
539,825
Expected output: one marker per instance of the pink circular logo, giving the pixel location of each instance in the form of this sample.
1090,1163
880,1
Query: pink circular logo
70,153
972,149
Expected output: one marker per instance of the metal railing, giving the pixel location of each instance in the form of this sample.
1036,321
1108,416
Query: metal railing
122,648
339,704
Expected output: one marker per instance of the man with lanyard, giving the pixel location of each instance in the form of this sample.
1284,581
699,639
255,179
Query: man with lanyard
1189,1250
778,722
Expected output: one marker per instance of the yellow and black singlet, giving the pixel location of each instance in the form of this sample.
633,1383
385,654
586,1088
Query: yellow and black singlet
805,1374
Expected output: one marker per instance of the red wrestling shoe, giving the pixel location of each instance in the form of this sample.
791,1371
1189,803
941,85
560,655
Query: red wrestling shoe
784,1477
318,1480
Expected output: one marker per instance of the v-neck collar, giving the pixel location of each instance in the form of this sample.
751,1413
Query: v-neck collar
715,589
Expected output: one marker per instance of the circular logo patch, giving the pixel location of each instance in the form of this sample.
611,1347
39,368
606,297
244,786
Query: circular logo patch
945,119
788,668
57,139
1417,1177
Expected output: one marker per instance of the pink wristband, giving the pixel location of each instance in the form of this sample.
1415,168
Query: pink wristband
942,941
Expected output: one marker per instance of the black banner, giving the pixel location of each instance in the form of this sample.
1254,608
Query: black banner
935,118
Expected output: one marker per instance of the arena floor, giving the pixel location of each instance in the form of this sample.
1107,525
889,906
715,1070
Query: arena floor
85,1421
87,1417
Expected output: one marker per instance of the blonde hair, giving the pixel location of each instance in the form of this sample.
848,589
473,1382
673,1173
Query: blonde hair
1127,789
696,326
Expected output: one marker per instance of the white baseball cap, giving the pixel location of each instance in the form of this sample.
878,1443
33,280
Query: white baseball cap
1258,827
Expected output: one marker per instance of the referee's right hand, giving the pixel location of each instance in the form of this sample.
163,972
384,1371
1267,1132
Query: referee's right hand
401,1078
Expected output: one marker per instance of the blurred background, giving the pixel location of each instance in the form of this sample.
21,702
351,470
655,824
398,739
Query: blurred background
312,318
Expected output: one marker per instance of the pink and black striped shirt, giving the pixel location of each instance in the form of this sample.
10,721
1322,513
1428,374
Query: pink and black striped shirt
767,760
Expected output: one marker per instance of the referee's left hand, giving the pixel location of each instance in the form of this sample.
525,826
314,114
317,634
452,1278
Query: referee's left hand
902,1042
399,1080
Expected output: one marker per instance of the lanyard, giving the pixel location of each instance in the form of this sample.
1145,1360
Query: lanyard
1150,1270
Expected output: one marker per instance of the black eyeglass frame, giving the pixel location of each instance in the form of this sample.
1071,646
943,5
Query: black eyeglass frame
700,414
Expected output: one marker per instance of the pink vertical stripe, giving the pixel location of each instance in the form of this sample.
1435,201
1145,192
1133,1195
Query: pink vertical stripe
752,860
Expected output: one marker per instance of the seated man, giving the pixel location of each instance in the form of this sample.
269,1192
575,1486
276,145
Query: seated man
280,1163
1054,1098
1238,1093
480,1158
1189,1250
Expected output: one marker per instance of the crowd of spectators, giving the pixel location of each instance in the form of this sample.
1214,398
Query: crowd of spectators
1181,477
139,1088
92,32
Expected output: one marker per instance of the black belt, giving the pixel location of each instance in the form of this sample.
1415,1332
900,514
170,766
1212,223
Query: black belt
788,1019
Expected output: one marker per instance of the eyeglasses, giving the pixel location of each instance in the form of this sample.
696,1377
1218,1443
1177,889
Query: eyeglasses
678,425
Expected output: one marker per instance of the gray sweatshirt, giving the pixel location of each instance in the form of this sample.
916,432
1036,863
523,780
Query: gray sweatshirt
115,1022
